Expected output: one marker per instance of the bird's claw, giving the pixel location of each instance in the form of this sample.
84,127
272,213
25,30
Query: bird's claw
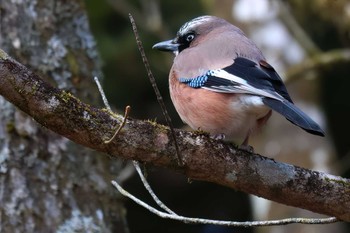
220,136
247,148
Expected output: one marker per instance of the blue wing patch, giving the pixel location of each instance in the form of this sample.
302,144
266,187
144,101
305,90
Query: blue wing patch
207,80
195,82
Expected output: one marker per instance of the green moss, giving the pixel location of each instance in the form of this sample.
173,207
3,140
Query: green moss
159,127
66,96
106,111
72,62
342,182
34,89
162,128
10,127
201,132
3,55
152,121
112,114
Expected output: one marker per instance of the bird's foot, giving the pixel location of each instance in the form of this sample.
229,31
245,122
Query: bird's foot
220,136
247,148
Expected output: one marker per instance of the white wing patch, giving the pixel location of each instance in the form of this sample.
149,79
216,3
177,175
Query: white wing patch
253,100
243,86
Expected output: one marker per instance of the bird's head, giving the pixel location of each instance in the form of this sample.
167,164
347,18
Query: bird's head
191,33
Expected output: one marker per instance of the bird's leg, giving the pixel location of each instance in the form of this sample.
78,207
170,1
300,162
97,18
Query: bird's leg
245,146
260,122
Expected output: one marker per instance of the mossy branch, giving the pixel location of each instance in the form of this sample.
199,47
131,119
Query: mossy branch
204,158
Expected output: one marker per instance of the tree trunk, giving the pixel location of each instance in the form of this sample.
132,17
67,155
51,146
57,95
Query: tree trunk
48,183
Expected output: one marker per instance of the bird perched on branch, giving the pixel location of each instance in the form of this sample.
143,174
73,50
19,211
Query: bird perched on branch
221,83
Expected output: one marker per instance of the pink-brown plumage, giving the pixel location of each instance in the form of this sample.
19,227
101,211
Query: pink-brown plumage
216,113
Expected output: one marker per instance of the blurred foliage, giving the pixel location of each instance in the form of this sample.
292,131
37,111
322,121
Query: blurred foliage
328,24
326,21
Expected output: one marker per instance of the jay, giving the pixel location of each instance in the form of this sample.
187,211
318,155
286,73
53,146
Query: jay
220,82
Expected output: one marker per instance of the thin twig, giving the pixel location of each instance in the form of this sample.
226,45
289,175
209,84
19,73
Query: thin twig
315,63
150,191
104,98
125,172
296,30
105,101
126,114
135,163
189,220
155,88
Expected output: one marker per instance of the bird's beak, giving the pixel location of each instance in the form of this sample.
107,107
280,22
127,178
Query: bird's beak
167,46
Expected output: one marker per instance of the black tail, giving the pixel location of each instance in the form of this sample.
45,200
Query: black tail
294,115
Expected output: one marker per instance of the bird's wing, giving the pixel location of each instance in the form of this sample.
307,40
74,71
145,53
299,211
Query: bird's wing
247,77
243,76
293,114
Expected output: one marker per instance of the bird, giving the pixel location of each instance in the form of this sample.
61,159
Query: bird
221,83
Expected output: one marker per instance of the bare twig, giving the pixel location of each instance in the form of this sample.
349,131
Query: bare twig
189,220
150,191
298,32
148,15
105,101
315,63
155,88
123,7
126,172
126,114
104,98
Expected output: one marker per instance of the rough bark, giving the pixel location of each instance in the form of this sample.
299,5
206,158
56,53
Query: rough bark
47,183
204,158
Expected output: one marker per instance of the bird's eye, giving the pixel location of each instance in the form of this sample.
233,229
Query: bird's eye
189,37
185,40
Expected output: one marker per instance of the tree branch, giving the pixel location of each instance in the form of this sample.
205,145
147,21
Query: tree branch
204,158
318,63
296,30
169,214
